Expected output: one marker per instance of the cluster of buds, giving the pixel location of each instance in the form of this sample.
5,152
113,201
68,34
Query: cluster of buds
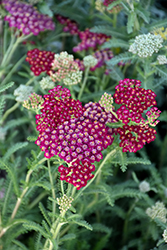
26,18
145,45
134,101
106,102
47,83
152,116
144,187
40,60
78,173
65,68
158,211
69,25
162,59
99,5
34,102
89,61
64,203
22,93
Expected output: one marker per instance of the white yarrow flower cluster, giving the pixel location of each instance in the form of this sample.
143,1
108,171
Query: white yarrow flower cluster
23,92
89,61
157,211
162,59
64,203
65,69
47,83
106,102
145,45
144,186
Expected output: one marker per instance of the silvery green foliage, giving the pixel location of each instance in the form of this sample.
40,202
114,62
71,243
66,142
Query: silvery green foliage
23,92
89,61
145,45
144,186
46,83
157,211
165,235
162,59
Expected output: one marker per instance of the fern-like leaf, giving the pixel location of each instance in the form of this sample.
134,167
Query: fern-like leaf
83,223
124,57
68,237
7,86
115,43
12,173
101,228
20,245
161,71
44,213
106,29
13,149
115,73
16,122
32,138
36,227
144,14
2,105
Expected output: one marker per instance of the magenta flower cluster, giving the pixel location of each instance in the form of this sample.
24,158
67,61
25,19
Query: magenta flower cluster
69,25
26,18
73,132
134,101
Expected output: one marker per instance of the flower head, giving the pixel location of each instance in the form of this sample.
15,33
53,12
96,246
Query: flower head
134,100
106,102
26,18
34,102
157,211
64,203
47,83
144,186
162,59
40,60
69,25
89,61
145,45
65,68
23,92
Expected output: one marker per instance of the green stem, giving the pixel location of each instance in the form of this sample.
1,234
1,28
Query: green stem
14,107
84,83
97,172
37,200
52,188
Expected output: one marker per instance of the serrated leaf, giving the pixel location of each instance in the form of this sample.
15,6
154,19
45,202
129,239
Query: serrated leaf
115,43
115,73
16,122
136,160
7,86
83,223
36,227
124,57
161,71
67,237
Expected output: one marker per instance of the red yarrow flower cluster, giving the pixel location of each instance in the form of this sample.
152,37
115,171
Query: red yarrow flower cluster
134,101
69,25
78,173
76,134
90,40
26,18
40,61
